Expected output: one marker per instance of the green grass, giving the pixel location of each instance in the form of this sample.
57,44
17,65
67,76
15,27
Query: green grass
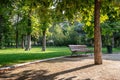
114,50
13,56
104,50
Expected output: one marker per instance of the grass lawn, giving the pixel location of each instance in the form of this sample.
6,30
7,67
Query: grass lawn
12,56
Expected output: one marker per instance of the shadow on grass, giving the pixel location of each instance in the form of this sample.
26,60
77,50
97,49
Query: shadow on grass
44,74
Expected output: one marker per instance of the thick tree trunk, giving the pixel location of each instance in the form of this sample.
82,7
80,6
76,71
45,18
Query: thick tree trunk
97,34
28,42
44,41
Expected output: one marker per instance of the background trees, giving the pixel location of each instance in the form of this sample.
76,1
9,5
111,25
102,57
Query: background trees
60,22
5,25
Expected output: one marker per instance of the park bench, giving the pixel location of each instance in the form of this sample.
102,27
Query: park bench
79,48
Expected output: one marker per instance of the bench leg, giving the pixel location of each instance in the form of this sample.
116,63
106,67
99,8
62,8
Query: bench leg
91,54
73,53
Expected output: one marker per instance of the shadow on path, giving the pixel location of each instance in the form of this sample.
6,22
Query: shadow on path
43,74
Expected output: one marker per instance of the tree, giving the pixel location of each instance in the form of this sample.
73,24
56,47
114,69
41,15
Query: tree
44,14
5,12
2,31
28,34
97,34
28,13
63,10
16,18
70,10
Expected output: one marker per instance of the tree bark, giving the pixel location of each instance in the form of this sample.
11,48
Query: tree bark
17,34
2,32
1,40
29,30
113,42
97,34
44,41
16,39
23,42
28,42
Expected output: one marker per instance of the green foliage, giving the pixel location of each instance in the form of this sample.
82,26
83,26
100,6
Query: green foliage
110,25
65,34
36,16
109,29
66,9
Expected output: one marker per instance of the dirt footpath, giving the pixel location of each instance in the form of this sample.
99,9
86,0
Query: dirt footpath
69,68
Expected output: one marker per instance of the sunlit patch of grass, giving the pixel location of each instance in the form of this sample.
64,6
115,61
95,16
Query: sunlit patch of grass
12,56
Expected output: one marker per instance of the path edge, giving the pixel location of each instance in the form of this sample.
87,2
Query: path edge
3,69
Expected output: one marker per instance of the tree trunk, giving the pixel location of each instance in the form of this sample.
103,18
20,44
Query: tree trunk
29,30
44,41
16,38
113,42
17,35
97,34
28,42
23,42
1,40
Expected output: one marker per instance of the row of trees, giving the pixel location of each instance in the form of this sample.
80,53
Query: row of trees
66,21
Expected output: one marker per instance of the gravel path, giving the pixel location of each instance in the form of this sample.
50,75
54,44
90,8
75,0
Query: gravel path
69,68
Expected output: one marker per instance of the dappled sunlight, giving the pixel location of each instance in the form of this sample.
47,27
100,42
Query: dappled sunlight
12,56
44,74
33,50
67,68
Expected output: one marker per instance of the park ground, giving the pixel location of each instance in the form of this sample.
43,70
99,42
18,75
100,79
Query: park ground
12,56
68,68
